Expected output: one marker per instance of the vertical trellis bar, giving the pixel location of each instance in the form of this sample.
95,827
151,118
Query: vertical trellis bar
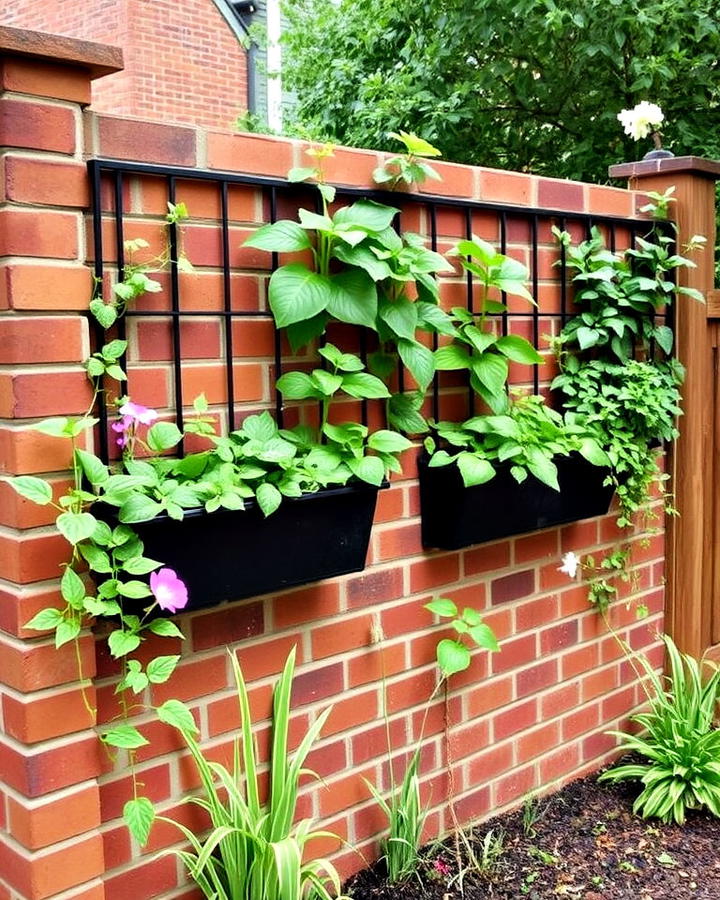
227,305
175,319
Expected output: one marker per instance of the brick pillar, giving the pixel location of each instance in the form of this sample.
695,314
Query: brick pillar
693,572
49,753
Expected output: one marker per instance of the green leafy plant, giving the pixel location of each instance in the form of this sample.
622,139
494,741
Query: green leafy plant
256,851
410,167
630,407
680,745
403,808
528,436
358,272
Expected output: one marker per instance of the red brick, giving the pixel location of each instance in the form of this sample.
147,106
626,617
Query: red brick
485,697
434,572
35,826
154,783
582,659
341,636
352,167
474,805
511,721
611,201
34,393
32,558
556,194
17,512
147,879
39,719
37,126
42,339
506,187
359,709
536,678
402,619
47,770
374,586
199,339
194,678
375,664
46,234
321,601
536,546
318,684
559,764
45,79
31,667
227,626
390,504
537,742
512,587
559,700
515,653
152,142
411,691
579,536
253,337
399,541
345,792
580,722
457,181
514,786
44,287
487,558
249,153
54,872
559,636
45,182
536,613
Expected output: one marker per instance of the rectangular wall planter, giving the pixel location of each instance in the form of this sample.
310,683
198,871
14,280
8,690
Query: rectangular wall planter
454,516
233,554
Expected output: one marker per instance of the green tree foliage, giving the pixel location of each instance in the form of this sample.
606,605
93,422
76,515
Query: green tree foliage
532,85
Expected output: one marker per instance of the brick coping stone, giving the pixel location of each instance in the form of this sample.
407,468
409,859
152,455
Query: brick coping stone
98,59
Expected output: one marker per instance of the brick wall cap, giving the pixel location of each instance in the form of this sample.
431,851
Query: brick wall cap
708,168
97,59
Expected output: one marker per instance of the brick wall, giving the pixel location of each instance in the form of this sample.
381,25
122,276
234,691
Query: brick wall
183,62
533,716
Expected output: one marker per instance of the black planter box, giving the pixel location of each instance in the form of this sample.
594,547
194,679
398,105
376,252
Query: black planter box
454,516
230,555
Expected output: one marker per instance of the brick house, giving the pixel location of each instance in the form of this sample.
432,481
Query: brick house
191,62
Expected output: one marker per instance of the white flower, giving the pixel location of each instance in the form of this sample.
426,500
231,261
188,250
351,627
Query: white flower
643,119
570,564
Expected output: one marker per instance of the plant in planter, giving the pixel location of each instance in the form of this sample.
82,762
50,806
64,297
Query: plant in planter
359,272
521,435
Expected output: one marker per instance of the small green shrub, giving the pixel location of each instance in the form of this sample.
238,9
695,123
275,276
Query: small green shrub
679,742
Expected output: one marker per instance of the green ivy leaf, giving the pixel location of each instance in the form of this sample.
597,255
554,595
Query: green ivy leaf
45,620
76,527
419,361
135,590
484,637
388,442
177,714
364,385
161,668
442,606
369,469
354,299
474,470
72,587
124,736
139,508
296,294
165,628
66,631
269,498
452,657
123,642
138,565
297,386
163,435
31,488
518,350
139,815
104,313
280,237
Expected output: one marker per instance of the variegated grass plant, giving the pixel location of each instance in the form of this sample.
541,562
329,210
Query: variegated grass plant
679,742
255,851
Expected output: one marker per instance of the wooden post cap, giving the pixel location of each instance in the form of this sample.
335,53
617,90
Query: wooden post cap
696,165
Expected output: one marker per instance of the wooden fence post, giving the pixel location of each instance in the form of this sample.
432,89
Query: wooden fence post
693,574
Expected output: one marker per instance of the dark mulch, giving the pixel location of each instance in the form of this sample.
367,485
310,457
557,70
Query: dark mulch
586,844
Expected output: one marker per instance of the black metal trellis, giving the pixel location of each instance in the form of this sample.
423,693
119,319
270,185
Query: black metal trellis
273,190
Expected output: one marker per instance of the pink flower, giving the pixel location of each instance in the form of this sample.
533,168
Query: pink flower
442,867
170,591
137,413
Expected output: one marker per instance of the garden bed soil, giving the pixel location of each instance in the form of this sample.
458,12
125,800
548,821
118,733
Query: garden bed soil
585,844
